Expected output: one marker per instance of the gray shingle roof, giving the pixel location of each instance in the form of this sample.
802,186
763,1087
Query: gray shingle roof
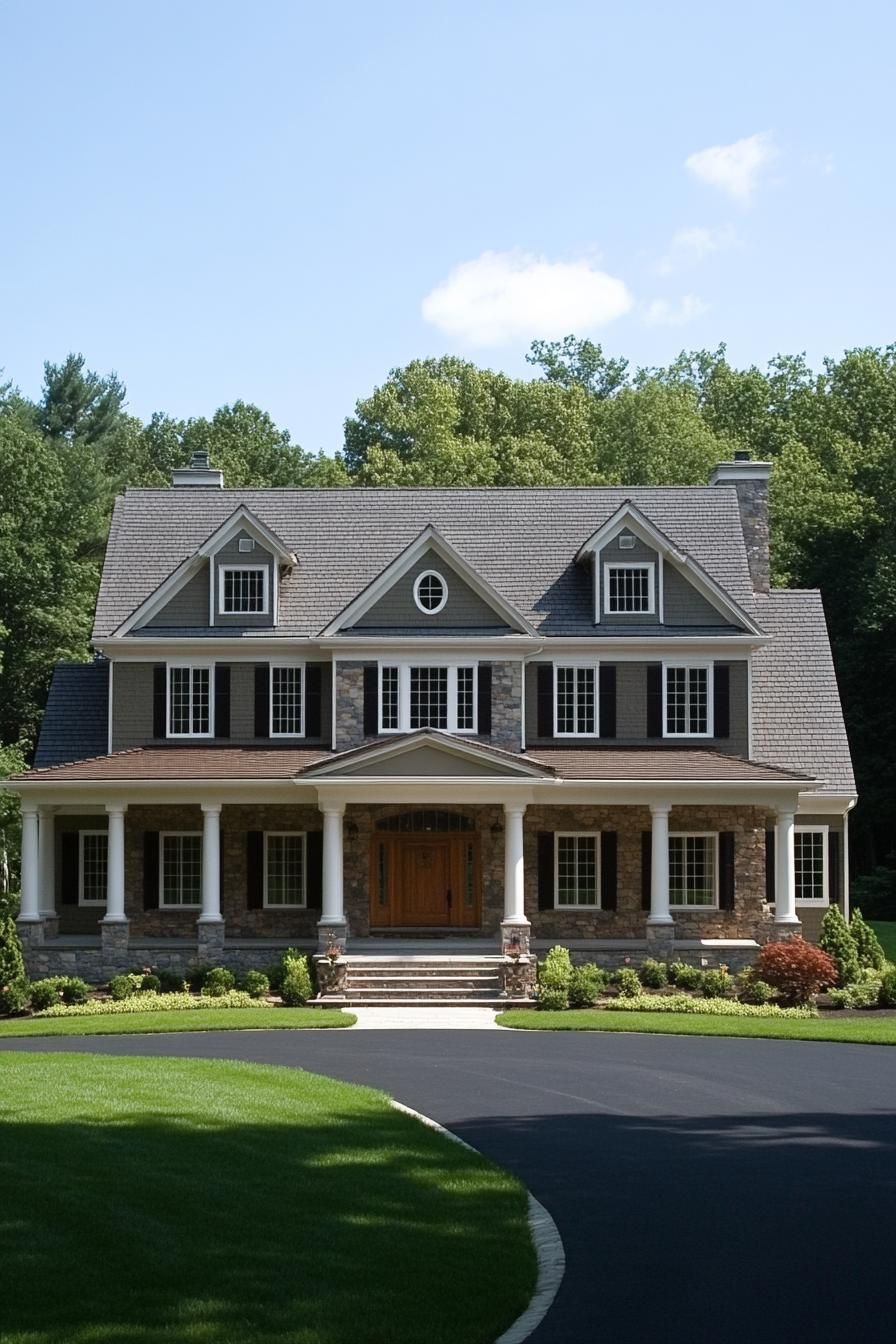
797,717
523,542
76,719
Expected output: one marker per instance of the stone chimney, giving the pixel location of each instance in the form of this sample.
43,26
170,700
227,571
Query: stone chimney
750,480
198,472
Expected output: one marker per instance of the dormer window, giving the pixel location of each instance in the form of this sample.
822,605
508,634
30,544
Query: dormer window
430,592
629,589
243,590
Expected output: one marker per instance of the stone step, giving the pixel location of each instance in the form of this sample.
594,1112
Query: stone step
354,1001
451,963
421,981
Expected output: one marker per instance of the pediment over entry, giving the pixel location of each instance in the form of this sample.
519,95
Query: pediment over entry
429,754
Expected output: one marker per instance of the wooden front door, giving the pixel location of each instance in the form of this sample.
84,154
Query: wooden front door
424,881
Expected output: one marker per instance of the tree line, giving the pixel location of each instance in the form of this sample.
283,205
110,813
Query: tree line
582,418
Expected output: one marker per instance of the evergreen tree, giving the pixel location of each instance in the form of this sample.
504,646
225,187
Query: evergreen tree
838,942
868,945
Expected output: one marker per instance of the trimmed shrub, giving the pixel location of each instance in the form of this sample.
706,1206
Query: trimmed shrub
585,985
887,994
256,984
15,996
796,969
686,1003
296,989
218,981
44,993
839,943
716,984
122,987
839,998
196,976
868,946
654,974
151,982
277,970
684,976
753,990
865,994
556,969
552,999
171,983
13,980
627,983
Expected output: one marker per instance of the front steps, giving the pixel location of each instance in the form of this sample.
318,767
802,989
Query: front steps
418,981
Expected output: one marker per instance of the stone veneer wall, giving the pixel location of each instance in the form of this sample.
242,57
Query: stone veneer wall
349,705
507,705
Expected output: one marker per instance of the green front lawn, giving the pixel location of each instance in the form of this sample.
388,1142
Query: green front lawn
870,1029
199,1019
886,932
200,1202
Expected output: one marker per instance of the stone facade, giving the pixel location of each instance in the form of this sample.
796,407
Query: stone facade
752,501
349,725
507,706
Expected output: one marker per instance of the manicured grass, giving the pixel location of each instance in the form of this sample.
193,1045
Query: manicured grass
205,1202
210,1019
872,1029
886,932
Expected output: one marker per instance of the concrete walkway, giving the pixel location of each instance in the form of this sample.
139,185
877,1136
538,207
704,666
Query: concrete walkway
425,1019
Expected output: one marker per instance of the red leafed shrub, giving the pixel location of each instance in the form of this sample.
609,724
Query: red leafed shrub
796,969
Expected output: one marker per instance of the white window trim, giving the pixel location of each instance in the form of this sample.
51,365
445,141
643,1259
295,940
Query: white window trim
81,835
285,662
578,835
576,664
430,574
207,665
647,565
172,835
266,589
807,902
698,835
404,666
291,905
708,667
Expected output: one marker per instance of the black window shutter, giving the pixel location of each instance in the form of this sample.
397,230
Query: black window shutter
654,700
608,870
726,870
254,870
545,870
314,869
313,699
222,700
262,700
646,866
68,875
544,686
151,870
835,876
484,709
160,700
721,700
770,867
371,701
607,679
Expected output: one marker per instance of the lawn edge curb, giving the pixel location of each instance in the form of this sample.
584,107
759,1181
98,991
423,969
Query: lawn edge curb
546,1239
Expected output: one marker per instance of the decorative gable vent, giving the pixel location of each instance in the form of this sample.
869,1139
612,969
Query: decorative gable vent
626,541
247,544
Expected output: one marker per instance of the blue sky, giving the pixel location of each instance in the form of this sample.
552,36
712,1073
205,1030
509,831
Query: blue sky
281,201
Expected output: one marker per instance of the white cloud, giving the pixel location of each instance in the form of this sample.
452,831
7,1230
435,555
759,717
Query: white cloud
688,247
662,313
506,296
734,169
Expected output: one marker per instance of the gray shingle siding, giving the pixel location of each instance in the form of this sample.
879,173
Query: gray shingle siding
463,611
187,608
76,720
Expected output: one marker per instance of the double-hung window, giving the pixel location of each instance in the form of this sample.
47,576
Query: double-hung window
190,692
687,703
693,871
576,859
575,701
284,868
810,864
180,871
629,589
427,696
93,851
243,590
287,699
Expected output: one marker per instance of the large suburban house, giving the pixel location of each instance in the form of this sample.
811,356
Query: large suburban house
487,718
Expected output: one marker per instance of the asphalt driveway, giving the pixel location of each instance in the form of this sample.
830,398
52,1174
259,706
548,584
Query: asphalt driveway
705,1189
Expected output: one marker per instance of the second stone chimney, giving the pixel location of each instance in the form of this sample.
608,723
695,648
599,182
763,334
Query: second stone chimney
198,472
750,480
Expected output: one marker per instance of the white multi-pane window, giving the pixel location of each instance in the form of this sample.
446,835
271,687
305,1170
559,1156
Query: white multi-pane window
439,696
243,590
688,710
189,701
576,861
629,589
693,869
287,700
93,860
575,701
180,871
810,864
284,868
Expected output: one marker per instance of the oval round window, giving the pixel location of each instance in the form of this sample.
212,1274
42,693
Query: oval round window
430,592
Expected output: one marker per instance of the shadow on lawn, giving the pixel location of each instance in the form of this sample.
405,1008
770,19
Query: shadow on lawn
358,1228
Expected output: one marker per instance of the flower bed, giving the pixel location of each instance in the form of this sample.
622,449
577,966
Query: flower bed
152,1002
686,1003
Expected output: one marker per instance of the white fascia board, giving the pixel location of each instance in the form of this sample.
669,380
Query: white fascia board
629,518
432,737
430,539
827,804
484,645
244,520
76,794
168,588
246,649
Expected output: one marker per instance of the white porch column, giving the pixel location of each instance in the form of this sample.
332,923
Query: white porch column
785,878
659,866
514,872
332,909
115,913
211,864
47,879
30,908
